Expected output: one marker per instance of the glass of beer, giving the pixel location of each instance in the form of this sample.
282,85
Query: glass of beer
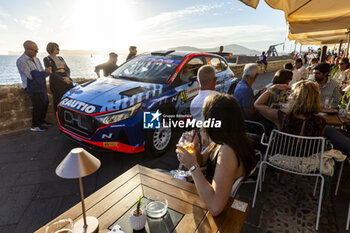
186,142
61,226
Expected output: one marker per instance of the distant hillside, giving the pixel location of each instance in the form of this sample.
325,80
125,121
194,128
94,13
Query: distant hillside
232,48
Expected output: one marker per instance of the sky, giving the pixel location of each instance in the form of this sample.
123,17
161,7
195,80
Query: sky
114,25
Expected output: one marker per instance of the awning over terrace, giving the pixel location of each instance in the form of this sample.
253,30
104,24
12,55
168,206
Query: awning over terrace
313,21
305,16
319,38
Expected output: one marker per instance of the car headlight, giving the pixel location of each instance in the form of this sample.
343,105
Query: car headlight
114,117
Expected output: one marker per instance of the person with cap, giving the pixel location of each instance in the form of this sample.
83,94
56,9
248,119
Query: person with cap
109,66
132,53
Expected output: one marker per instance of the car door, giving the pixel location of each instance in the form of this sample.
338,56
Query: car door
186,85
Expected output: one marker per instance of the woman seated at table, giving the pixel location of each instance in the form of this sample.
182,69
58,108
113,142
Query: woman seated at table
277,96
300,116
228,157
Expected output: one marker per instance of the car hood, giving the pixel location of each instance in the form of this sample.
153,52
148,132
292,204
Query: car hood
108,94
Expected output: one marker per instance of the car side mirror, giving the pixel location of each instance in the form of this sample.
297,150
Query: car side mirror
192,80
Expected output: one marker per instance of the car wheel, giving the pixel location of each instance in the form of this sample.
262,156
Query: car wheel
232,88
158,140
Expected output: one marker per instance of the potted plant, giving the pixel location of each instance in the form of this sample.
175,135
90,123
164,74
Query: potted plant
137,218
344,104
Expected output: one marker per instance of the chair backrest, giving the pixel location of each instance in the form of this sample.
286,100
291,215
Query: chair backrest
256,128
294,153
236,186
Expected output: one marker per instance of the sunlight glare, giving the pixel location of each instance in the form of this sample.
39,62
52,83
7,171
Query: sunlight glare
106,25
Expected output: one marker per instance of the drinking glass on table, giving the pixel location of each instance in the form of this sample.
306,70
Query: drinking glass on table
186,142
327,102
61,226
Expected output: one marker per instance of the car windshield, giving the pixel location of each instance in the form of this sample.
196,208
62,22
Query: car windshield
147,69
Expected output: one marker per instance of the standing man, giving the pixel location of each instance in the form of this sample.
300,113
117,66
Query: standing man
132,53
221,50
207,81
329,89
34,82
109,66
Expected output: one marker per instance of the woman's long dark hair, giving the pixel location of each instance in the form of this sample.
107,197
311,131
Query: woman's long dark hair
232,132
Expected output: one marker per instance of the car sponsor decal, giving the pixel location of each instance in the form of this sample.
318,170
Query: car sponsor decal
188,94
110,144
161,60
79,106
183,96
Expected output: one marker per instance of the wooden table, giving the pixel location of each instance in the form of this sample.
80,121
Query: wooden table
114,199
346,120
333,119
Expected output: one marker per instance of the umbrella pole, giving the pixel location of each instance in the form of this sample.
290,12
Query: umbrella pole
347,49
340,44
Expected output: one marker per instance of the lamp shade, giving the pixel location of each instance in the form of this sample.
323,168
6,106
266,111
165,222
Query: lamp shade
78,163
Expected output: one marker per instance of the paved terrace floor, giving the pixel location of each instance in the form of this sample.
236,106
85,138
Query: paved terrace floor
31,194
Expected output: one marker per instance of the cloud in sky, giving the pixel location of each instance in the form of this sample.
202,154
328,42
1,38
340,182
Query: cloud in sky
163,30
3,14
208,37
109,25
172,16
30,22
3,26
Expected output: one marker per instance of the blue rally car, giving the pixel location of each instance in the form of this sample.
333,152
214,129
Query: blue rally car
108,112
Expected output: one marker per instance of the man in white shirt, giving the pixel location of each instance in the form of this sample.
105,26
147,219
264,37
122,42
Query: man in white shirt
299,66
26,64
296,73
207,81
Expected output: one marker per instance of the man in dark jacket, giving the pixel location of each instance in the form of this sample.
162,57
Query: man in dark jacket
109,66
33,80
132,54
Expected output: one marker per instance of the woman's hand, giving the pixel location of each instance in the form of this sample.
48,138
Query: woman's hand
186,158
280,87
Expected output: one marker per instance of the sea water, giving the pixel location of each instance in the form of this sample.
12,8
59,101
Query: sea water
81,66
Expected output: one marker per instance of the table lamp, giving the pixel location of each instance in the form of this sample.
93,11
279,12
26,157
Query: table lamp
77,164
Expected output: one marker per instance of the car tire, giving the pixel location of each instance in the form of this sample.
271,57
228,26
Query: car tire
232,88
158,141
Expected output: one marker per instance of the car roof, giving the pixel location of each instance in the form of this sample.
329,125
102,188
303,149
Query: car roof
180,55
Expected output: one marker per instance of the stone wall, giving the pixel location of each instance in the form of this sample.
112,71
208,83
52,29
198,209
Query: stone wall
272,66
251,59
16,107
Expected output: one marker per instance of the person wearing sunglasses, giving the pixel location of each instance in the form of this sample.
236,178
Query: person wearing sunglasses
33,78
343,74
60,81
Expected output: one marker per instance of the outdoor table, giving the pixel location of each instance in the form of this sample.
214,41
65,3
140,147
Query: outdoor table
332,119
117,197
346,120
